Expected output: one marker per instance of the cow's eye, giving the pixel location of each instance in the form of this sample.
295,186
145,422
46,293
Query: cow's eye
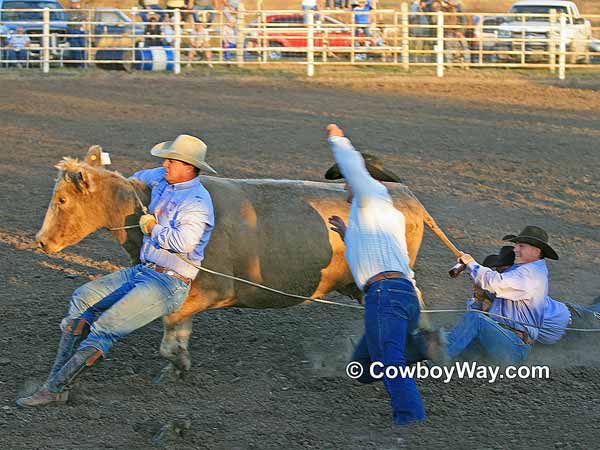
62,200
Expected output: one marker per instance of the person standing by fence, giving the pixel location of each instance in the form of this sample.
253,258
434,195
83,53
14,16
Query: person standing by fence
229,38
76,34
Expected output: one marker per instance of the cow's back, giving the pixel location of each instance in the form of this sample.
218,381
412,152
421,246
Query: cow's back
275,232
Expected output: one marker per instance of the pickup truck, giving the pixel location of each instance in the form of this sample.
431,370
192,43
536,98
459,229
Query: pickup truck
530,28
14,13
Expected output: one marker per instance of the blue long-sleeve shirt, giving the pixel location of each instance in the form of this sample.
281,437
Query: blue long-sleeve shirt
185,216
556,319
520,293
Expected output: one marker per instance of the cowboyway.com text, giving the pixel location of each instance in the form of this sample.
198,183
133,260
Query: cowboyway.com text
460,370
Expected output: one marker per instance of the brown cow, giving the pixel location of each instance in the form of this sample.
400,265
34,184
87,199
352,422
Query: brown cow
272,232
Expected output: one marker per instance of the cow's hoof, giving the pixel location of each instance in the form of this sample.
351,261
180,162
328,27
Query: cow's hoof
169,374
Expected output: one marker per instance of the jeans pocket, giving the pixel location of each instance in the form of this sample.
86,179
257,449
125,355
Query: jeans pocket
178,296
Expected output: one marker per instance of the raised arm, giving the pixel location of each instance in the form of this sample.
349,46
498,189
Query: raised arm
352,165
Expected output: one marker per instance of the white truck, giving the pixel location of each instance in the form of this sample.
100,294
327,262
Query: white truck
529,28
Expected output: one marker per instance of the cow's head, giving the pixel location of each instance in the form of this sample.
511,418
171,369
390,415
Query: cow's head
77,207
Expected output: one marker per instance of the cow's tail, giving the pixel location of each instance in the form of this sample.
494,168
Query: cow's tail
434,227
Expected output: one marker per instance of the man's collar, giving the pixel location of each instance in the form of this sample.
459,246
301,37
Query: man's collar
186,184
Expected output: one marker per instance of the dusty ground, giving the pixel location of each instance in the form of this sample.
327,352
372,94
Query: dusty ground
486,157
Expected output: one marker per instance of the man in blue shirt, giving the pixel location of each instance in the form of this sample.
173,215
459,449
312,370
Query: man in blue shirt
17,46
111,307
519,294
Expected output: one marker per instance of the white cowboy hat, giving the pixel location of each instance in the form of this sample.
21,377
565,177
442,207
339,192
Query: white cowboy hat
184,148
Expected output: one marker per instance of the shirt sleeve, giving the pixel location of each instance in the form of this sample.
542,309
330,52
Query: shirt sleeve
512,285
185,236
352,166
149,176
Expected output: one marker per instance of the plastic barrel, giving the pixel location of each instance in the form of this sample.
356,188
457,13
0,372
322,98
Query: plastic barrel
155,59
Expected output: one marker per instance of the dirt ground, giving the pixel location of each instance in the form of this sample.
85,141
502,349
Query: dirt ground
486,157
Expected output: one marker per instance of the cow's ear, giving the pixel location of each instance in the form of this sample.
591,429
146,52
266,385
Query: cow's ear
93,157
86,181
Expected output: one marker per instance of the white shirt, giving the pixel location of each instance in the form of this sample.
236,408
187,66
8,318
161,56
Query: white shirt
375,236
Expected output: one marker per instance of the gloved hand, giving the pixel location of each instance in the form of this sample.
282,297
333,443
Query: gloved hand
147,222
465,259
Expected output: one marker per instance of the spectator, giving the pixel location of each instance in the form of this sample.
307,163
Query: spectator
229,38
17,45
309,5
229,11
150,5
152,32
199,39
167,32
362,17
76,34
202,5
419,30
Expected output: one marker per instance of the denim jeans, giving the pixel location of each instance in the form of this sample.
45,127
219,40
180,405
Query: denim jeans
18,55
119,303
495,341
391,314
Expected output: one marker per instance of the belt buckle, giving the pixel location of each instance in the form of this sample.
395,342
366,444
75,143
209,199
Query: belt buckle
170,272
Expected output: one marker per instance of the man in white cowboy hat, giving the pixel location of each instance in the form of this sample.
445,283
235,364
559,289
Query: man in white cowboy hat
109,308
519,296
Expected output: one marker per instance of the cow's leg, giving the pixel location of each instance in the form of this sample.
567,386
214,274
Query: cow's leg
174,348
216,294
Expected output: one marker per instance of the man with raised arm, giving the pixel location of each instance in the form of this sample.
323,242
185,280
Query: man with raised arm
377,255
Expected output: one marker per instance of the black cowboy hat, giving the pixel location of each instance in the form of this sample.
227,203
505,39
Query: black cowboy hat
506,257
535,236
374,167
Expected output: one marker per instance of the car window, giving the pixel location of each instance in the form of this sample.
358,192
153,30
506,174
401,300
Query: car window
108,17
27,15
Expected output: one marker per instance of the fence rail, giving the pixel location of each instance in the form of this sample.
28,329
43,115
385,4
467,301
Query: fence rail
170,39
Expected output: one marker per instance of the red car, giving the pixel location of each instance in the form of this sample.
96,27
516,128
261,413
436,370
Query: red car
289,31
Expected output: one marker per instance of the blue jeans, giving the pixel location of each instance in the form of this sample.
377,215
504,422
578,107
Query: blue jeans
18,55
119,303
76,40
391,313
227,55
497,342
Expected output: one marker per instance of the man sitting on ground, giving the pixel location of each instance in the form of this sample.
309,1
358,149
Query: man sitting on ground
518,302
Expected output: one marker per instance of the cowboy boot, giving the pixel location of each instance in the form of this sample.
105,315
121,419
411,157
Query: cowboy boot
73,335
54,391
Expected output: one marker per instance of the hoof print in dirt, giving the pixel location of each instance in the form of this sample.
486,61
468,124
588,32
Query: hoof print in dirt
172,431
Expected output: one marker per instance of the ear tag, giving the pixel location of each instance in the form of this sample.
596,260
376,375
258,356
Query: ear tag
105,159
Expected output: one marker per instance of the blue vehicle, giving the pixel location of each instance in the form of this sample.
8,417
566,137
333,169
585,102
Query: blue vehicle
113,21
13,14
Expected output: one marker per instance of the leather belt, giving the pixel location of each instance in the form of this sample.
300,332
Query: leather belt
389,275
161,269
523,335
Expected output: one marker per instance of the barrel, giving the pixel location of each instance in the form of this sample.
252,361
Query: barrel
155,59
114,56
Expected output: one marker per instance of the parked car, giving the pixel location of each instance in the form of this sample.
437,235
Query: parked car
595,48
14,13
288,31
534,31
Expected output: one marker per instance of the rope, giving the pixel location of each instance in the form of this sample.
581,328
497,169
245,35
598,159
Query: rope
345,305
144,210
